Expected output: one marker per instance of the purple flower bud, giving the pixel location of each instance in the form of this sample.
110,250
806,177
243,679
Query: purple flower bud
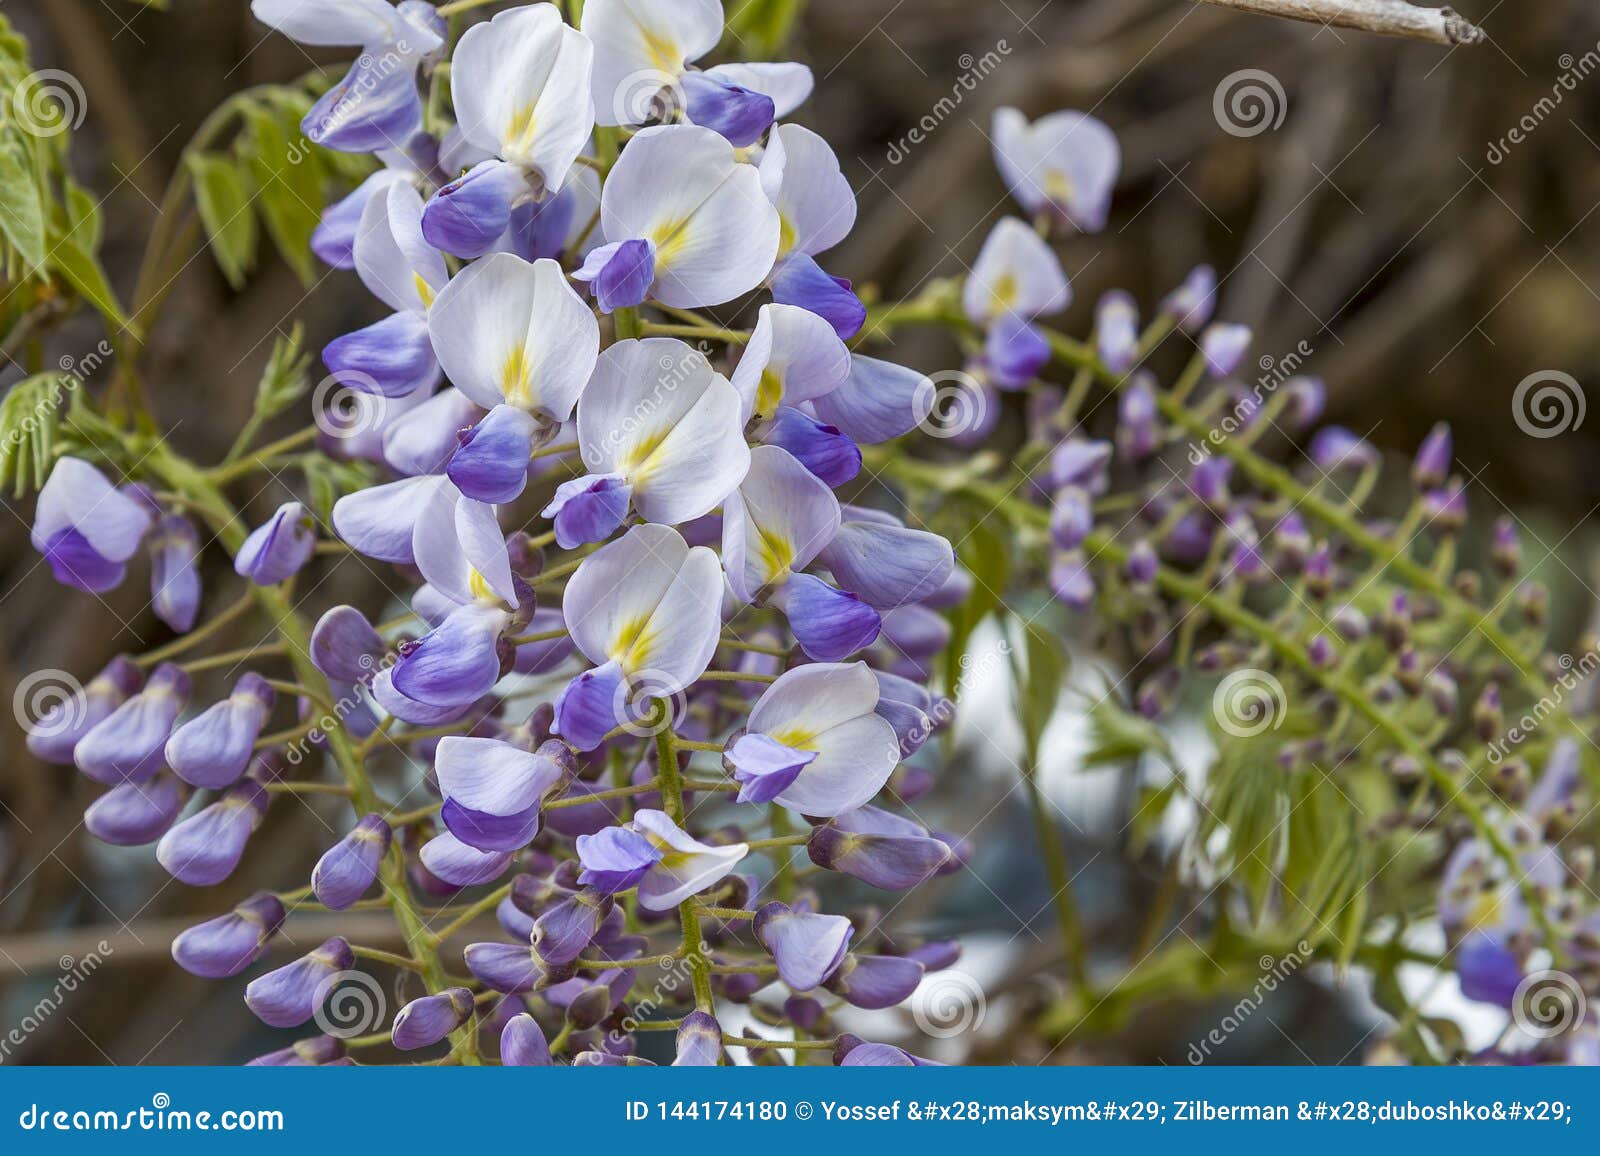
1014,351
561,933
128,743
830,624
1308,398
889,853
430,1019
1443,693
738,113
1189,540
174,572
1446,509
229,943
467,216
589,1006
875,981
459,864
1321,651
290,995
853,1052
1071,517
620,273
207,846
1071,581
1319,571
63,719
1142,564
1116,331
588,509
1209,481
1293,540
504,967
1191,304
213,749
1082,463
1488,718
344,646
1434,457
1138,434
275,550
491,462
699,1041
350,866
1334,447
133,814
608,1060
616,858
799,280
936,955
806,946
522,1043
1224,346
86,528
819,447
308,1053
1506,548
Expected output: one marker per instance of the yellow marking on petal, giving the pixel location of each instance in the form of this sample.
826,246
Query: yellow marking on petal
787,236
634,464
478,585
795,738
424,290
663,51
1003,293
633,642
516,376
769,393
1058,187
669,239
1486,911
520,132
775,554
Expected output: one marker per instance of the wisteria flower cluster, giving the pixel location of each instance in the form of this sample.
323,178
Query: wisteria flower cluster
652,689
740,659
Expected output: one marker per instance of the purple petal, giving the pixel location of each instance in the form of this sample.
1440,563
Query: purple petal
133,814
799,280
822,449
615,859
588,509
491,464
740,114
467,216
375,106
393,357
829,624
349,868
277,549
765,768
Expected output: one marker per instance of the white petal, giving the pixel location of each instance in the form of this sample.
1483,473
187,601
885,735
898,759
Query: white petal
792,356
76,495
813,197
813,699
616,589
392,258
1016,272
683,874
1015,157
507,331
492,776
640,44
854,760
521,87
677,645
781,518
380,521
364,23
683,188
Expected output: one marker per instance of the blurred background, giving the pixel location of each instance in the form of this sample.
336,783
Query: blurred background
1381,217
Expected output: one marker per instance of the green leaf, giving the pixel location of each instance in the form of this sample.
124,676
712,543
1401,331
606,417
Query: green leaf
1117,735
21,206
224,203
83,272
30,415
1038,686
986,554
289,188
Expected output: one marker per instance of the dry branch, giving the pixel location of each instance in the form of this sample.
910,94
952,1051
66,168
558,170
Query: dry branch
1386,17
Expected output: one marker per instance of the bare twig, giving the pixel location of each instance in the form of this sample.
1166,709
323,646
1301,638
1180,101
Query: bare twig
1386,17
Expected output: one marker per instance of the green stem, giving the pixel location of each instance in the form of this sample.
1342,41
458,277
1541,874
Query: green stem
693,948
